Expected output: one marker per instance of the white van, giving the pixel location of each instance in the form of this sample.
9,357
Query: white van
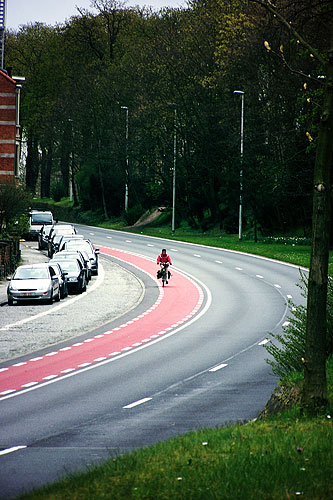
37,220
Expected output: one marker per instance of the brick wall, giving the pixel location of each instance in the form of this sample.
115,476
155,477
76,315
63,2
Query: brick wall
8,127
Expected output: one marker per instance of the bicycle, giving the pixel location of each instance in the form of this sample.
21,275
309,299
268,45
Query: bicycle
163,273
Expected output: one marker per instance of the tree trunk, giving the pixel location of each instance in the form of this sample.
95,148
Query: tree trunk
32,165
315,390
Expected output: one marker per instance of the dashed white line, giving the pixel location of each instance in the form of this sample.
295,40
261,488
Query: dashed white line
289,296
239,268
11,450
219,262
259,276
137,403
263,342
218,367
196,255
276,285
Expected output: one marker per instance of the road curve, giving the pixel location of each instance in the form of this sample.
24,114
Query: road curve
207,373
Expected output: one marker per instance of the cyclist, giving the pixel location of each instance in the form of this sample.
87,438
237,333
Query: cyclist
164,258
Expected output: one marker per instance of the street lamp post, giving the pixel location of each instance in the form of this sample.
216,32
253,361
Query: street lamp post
126,171
241,93
174,170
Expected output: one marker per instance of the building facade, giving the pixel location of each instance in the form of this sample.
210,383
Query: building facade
10,136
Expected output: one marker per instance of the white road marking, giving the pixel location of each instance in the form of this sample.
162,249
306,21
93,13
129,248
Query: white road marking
219,262
3,369
137,403
50,377
30,384
173,249
109,237
239,268
20,364
150,245
196,255
259,276
286,323
276,285
263,342
289,296
218,367
128,241
11,450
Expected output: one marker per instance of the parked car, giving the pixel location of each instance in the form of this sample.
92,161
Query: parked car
38,218
33,282
75,274
75,254
43,236
88,247
61,278
62,230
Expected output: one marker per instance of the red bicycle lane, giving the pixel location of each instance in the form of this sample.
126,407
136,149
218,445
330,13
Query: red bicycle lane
176,304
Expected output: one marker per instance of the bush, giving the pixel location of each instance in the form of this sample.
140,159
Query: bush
290,350
58,191
133,214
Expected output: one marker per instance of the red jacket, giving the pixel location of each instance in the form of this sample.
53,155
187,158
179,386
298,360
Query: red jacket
163,258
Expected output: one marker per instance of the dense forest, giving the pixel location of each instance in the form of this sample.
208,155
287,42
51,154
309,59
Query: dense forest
120,96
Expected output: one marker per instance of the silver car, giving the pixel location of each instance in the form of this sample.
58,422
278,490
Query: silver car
33,282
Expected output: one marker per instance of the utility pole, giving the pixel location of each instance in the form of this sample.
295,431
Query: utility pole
126,171
2,32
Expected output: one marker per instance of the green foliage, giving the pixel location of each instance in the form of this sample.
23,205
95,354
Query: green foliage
14,202
289,351
58,191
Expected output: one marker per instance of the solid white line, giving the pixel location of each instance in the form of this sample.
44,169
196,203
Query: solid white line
219,367
10,450
137,403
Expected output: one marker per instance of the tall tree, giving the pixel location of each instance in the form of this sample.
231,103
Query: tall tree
315,390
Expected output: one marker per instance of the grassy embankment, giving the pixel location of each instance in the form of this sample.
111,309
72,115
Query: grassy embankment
283,456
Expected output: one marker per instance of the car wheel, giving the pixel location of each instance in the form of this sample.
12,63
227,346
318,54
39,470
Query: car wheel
10,301
58,297
50,300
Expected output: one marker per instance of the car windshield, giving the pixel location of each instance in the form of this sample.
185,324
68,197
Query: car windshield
78,245
25,273
37,219
69,266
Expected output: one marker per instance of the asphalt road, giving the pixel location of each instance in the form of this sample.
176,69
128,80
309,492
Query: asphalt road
203,371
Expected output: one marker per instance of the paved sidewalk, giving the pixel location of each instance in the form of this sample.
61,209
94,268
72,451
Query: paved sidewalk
29,255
